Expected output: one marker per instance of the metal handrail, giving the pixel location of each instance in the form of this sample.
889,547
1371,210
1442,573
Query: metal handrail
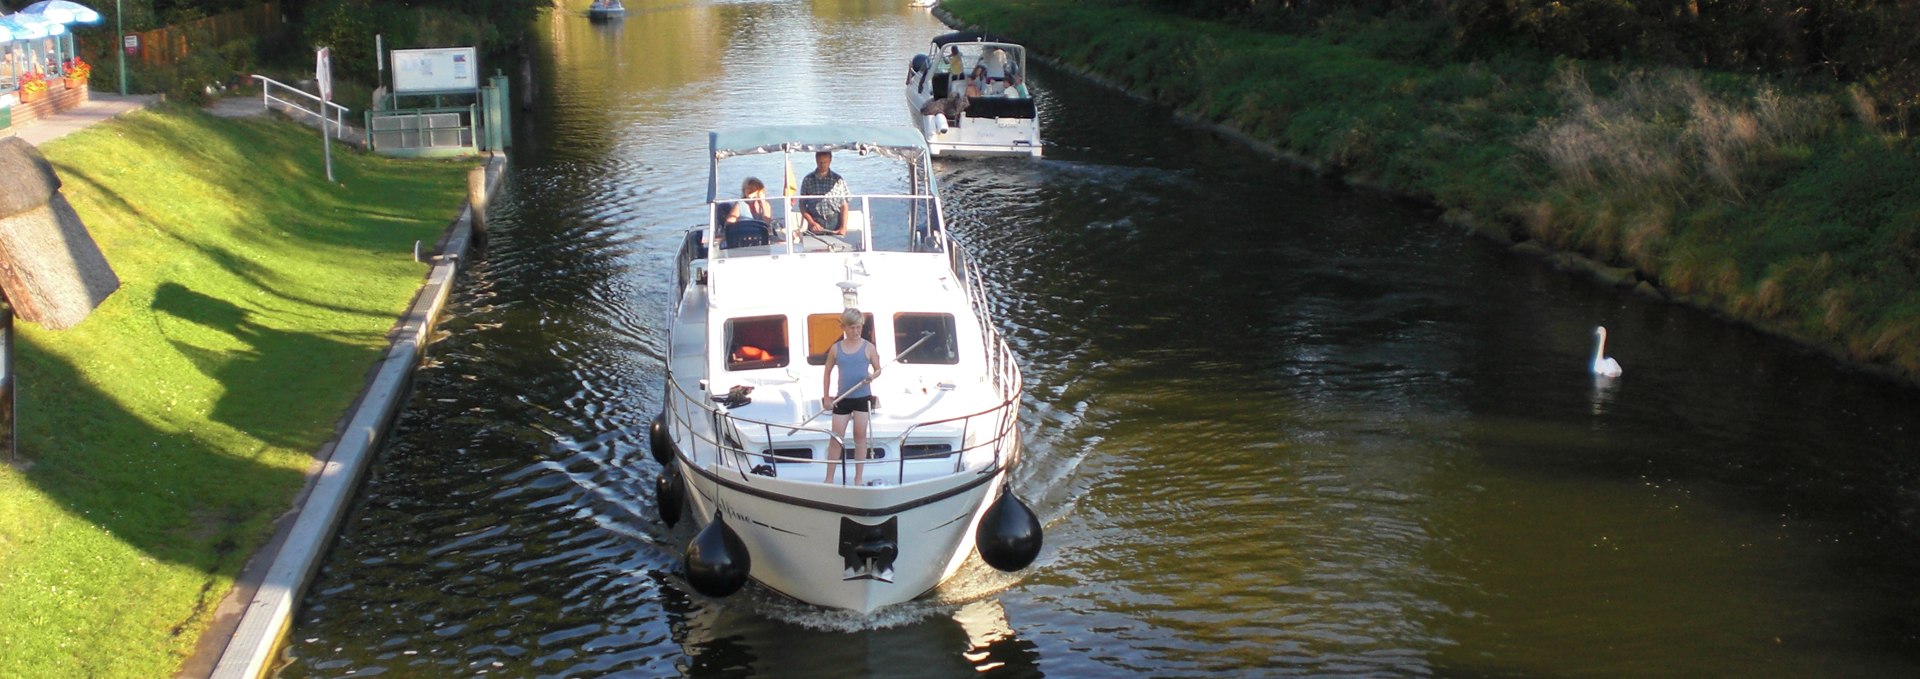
726,422
339,112
786,209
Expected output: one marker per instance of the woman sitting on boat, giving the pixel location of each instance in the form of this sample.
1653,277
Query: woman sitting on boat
977,85
755,204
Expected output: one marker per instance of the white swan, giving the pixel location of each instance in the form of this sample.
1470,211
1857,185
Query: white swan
1603,365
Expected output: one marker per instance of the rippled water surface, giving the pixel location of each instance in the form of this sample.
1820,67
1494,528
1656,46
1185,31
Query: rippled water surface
1275,426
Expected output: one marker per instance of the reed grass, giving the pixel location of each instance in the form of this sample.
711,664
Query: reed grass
1787,206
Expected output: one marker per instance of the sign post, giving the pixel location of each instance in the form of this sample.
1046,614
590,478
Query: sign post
379,64
8,424
323,72
119,26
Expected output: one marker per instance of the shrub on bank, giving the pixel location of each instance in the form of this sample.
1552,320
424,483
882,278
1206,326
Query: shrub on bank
1788,207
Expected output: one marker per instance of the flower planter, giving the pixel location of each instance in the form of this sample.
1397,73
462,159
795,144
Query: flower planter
28,97
74,83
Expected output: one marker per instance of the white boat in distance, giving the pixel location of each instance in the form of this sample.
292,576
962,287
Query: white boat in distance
1000,121
606,10
742,435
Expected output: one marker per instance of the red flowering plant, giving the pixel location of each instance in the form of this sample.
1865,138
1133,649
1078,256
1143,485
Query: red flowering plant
77,68
33,83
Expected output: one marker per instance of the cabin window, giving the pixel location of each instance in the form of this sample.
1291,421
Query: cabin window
823,330
913,450
790,453
940,345
756,342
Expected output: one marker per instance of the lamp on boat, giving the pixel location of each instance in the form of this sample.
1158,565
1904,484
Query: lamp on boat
849,294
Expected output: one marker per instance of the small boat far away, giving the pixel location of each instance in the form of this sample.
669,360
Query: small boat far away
769,289
968,96
606,10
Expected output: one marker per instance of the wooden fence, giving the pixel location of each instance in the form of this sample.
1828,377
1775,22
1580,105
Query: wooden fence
168,45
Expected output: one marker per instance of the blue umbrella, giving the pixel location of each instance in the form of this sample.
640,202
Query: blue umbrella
20,30
37,26
62,11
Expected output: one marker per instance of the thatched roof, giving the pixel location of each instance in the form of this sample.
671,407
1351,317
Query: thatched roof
26,178
51,270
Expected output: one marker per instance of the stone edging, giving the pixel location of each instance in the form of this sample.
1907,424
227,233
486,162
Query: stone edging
251,646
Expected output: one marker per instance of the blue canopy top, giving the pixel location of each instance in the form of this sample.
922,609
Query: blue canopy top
62,11
31,26
892,142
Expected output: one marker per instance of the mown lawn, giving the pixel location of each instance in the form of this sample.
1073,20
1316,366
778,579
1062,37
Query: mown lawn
163,435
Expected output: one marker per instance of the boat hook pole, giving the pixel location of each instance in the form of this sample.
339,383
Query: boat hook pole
924,336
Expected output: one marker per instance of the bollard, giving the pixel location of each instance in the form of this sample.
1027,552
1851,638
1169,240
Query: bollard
477,198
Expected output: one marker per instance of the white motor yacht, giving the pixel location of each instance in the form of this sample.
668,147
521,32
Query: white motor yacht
996,118
743,433
606,10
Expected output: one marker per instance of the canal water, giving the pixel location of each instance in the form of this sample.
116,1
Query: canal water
1275,426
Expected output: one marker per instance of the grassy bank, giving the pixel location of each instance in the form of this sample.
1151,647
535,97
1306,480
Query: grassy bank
1788,208
165,433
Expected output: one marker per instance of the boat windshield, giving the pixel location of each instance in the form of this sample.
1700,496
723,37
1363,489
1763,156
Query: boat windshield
777,226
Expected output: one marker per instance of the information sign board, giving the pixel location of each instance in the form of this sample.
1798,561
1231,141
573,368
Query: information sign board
437,70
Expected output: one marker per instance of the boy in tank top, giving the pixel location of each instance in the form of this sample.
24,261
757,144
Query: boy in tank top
859,363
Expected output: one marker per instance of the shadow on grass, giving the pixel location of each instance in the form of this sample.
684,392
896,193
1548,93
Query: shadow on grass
331,221
257,399
173,495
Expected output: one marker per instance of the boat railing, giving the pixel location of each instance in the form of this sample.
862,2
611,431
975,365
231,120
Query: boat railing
999,420
874,223
720,421
1001,366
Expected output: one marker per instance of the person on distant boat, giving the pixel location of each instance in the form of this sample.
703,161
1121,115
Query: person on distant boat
977,85
827,214
1016,88
859,364
945,111
996,63
955,67
755,205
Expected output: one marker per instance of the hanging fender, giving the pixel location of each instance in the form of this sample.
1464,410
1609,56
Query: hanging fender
658,441
669,492
1009,535
717,561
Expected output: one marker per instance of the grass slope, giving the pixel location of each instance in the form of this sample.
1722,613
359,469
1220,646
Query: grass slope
170,428
1787,207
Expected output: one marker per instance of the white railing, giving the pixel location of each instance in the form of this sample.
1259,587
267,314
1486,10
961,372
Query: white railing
725,433
863,225
336,115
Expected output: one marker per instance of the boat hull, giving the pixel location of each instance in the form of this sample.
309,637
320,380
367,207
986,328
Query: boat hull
796,532
976,136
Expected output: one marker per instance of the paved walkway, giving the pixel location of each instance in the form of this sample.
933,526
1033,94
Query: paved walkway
238,106
99,107
252,105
